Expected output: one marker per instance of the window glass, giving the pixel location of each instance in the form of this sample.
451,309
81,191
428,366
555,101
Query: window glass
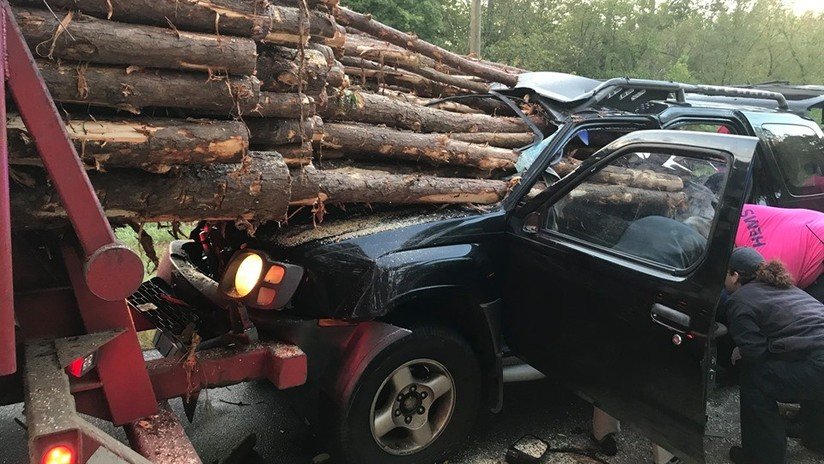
714,127
654,206
799,152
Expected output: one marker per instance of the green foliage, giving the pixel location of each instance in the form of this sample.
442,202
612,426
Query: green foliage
707,41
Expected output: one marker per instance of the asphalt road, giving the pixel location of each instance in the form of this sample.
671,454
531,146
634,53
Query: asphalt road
226,416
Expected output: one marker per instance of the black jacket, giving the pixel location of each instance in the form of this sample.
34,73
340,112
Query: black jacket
767,320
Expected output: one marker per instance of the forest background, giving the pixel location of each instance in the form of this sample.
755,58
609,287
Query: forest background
695,41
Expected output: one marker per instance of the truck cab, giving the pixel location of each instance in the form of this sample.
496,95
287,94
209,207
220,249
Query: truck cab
602,268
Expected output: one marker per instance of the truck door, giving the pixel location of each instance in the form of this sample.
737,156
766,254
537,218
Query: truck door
613,275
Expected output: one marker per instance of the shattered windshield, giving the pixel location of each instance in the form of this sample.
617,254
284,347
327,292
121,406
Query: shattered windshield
799,151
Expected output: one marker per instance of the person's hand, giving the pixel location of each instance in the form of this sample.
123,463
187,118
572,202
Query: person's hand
736,356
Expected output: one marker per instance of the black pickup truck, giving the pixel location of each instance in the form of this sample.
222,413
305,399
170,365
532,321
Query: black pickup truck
602,268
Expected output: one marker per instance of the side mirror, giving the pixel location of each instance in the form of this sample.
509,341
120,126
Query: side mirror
532,222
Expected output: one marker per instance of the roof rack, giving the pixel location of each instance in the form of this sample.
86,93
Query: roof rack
609,89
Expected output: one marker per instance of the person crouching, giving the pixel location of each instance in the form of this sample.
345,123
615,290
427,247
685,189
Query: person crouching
778,330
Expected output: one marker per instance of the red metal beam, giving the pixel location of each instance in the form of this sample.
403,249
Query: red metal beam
112,270
8,353
161,438
283,365
126,385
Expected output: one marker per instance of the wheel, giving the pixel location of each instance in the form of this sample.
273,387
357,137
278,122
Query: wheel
414,402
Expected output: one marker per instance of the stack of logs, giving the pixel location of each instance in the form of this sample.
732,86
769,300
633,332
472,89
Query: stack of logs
244,109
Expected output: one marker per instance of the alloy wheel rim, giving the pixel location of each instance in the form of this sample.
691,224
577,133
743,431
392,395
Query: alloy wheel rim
412,407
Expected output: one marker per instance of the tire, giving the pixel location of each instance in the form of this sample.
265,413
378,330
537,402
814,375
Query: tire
432,356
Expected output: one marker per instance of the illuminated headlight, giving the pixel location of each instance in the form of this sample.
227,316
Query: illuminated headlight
253,279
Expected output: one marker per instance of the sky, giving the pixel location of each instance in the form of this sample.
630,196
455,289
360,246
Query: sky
802,6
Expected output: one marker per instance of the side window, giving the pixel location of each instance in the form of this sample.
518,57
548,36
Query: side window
706,126
658,207
799,152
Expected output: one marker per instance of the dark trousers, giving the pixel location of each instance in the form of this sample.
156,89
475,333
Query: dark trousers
816,289
763,384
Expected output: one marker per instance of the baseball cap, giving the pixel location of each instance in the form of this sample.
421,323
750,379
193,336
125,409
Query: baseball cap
745,260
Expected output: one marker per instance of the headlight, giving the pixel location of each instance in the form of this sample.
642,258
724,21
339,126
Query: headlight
253,279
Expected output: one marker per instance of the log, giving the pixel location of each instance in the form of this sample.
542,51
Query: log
296,154
446,106
256,189
368,72
279,70
286,26
154,145
86,38
243,18
378,109
312,4
435,149
370,49
284,105
133,89
513,140
619,195
628,177
269,132
353,185
374,28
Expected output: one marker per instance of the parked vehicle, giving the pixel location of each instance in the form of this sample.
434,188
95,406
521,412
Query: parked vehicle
407,315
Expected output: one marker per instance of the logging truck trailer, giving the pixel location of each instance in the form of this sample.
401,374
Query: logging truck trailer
68,336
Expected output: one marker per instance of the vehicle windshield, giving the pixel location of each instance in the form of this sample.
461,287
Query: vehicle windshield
799,151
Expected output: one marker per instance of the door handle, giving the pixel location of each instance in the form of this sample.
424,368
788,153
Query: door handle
670,318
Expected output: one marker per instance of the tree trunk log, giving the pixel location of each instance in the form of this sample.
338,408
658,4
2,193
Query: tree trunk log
243,18
436,149
359,46
378,109
619,195
616,175
450,106
296,154
513,140
313,4
352,185
366,24
284,105
279,70
256,189
86,38
131,90
154,145
268,132
366,72
286,26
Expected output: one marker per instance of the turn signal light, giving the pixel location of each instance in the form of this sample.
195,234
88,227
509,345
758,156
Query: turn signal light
60,454
254,279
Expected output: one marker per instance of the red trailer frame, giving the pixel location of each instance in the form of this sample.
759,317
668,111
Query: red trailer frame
102,273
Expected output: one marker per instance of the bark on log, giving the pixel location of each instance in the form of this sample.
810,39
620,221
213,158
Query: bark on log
130,90
279,70
513,140
284,105
286,26
86,38
366,24
243,18
295,155
154,145
352,185
616,175
360,46
378,109
436,149
256,189
270,132
619,195
451,106
368,72
312,4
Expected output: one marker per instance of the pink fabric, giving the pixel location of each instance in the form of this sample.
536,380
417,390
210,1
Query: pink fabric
794,236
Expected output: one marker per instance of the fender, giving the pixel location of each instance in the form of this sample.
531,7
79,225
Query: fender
366,342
